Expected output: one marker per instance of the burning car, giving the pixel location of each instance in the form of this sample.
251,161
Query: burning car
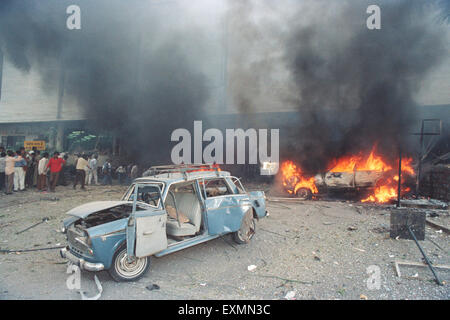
354,172
173,208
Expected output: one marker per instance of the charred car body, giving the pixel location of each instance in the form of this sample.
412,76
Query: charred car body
174,208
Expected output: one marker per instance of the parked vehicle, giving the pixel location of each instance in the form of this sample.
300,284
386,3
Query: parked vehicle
173,208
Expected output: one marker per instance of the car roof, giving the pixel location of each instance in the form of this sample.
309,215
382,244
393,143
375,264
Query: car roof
182,176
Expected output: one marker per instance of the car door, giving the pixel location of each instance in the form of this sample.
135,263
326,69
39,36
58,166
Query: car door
224,210
257,198
146,227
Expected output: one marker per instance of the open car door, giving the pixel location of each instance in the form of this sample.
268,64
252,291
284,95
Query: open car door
146,227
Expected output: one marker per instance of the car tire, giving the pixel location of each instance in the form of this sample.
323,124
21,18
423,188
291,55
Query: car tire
122,271
247,229
304,194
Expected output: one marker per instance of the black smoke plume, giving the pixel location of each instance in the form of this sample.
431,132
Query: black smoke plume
130,66
353,88
357,85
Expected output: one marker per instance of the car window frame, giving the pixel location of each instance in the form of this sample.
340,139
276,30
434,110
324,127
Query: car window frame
229,188
234,178
131,191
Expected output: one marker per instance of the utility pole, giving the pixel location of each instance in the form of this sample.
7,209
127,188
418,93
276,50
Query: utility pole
399,175
59,136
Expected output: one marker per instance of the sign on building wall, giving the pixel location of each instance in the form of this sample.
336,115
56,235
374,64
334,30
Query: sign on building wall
39,145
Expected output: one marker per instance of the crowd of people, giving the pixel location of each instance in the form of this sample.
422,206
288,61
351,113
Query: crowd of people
21,170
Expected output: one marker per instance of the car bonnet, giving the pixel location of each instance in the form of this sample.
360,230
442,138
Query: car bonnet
88,208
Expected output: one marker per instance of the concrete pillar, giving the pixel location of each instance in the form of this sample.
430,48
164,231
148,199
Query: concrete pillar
116,146
59,137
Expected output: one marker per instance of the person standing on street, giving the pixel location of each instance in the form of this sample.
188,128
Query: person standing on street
82,163
93,175
55,164
62,181
2,170
10,170
134,172
29,175
37,158
42,173
86,170
121,173
106,170
20,168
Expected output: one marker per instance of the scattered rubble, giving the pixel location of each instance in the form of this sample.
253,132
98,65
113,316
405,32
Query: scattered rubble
152,287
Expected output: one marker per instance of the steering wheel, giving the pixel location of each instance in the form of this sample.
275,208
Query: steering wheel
146,197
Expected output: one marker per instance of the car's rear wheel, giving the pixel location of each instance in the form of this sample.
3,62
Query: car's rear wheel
247,229
124,270
304,193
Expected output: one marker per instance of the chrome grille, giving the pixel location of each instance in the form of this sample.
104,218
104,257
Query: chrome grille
75,251
76,245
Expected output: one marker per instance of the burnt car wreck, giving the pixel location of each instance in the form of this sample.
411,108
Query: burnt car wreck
371,176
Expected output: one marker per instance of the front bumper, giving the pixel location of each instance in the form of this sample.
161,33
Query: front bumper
83,264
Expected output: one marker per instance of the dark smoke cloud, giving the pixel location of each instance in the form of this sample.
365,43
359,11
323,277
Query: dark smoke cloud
357,85
131,66
353,87
136,70
258,79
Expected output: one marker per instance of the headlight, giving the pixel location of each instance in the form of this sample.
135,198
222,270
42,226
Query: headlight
84,240
63,229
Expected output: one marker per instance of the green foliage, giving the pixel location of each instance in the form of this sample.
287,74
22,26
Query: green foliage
81,140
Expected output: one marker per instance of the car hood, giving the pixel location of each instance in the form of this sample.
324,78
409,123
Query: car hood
88,208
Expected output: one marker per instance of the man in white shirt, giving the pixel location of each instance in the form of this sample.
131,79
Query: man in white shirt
42,173
2,169
93,165
10,170
82,163
134,172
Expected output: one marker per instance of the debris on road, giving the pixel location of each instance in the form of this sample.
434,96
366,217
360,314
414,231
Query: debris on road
251,268
45,219
424,203
290,295
398,263
29,250
152,287
437,226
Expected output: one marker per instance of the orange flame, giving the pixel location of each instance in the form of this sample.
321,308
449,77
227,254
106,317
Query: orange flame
293,178
388,190
384,191
358,163
214,167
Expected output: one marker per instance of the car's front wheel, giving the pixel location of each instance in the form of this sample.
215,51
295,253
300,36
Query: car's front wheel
124,270
304,193
247,230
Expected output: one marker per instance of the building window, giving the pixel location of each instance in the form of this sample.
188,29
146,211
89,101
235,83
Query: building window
14,142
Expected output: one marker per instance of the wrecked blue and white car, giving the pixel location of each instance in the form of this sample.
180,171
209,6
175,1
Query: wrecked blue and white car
169,209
